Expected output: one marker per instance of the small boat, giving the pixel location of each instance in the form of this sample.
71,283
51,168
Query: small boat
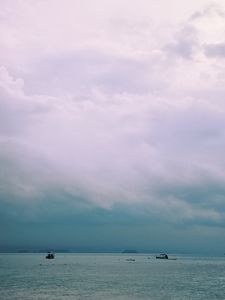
162,256
50,255
130,259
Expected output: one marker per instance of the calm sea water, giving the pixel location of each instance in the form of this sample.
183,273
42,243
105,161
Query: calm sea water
110,276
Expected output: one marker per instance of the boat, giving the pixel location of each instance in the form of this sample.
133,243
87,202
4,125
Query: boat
50,255
130,259
162,256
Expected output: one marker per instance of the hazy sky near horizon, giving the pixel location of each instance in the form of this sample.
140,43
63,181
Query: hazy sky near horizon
112,124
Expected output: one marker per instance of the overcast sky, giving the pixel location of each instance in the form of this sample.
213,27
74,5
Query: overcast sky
112,125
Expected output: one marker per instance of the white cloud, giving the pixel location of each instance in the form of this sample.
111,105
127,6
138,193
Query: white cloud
113,108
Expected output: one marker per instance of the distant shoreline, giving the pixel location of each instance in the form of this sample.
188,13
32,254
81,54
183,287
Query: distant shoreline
111,252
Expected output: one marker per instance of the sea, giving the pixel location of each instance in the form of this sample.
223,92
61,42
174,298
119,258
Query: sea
110,276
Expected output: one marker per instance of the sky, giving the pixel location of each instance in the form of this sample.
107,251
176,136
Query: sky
112,125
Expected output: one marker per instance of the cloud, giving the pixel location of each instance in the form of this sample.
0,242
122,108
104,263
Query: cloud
215,50
185,43
116,148
116,112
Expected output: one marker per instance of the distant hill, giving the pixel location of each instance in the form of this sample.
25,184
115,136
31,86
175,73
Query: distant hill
55,250
44,251
129,251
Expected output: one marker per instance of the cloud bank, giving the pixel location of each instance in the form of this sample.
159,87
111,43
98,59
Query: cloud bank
101,109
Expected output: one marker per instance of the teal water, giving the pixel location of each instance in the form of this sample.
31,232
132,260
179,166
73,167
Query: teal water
110,276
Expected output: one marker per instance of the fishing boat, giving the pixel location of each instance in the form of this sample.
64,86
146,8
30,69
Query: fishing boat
130,259
162,256
50,255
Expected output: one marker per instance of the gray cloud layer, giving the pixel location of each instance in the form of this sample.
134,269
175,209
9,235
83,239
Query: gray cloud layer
129,114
